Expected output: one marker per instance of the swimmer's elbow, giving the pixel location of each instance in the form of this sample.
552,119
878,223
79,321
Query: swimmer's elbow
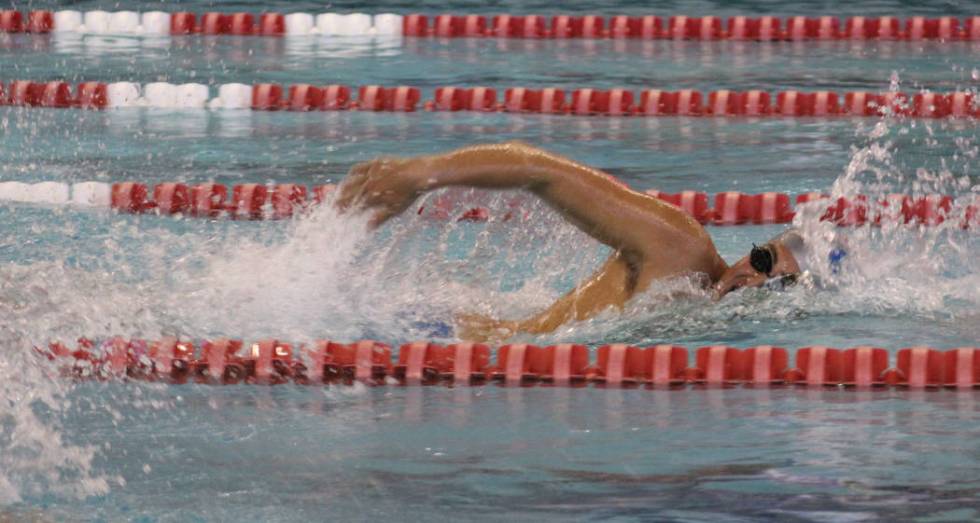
522,150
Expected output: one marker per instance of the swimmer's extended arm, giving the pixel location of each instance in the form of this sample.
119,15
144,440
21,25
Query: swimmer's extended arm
628,221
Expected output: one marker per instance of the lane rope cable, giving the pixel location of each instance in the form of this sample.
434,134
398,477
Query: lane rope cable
548,100
253,201
230,361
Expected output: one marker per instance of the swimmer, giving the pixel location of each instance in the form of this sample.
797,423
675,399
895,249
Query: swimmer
651,239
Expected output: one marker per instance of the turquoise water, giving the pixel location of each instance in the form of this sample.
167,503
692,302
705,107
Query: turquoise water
126,451
426,63
260,454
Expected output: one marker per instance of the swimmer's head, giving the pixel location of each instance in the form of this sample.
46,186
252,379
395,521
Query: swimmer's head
773,264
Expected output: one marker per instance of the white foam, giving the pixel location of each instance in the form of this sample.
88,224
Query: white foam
8,493
35,457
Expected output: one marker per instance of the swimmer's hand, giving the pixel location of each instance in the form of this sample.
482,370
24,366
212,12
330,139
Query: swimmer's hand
386,186
479,328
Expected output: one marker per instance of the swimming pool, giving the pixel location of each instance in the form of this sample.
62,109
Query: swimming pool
110,451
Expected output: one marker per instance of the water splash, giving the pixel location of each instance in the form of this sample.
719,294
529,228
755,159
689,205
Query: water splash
330,277
899,268
35,460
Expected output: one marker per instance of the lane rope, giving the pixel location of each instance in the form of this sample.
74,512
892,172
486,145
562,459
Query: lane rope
650,27
271,361
252,201
549,100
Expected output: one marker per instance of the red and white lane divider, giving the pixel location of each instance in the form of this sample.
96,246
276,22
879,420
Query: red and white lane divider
581,102
206,200
159,23
251,201
271,362
736,208
763,28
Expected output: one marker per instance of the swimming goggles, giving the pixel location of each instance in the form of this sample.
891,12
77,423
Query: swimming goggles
762,259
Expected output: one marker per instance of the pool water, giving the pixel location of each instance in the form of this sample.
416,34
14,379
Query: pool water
149,452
